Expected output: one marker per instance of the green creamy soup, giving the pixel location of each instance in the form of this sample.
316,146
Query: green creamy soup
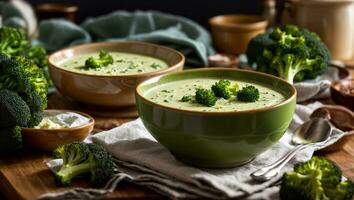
123,63
170,95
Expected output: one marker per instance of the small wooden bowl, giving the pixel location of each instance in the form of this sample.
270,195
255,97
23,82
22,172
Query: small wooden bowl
49,139
339,96
342,71
231,33
110,92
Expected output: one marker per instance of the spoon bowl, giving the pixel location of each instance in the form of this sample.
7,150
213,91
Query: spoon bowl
314,132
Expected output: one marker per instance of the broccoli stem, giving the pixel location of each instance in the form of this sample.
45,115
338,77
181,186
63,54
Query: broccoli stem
313,184
68,173
293,66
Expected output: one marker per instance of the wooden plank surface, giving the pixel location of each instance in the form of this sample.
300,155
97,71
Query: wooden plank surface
24,175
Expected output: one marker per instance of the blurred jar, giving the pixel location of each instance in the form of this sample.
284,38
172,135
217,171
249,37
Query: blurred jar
332,20
57,10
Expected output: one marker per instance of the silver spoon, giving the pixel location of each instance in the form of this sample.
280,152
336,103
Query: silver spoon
314,132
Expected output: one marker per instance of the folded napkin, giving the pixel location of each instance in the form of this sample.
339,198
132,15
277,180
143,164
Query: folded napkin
174,31
317,88
141,160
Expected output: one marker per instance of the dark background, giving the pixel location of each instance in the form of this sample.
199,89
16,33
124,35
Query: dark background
198,10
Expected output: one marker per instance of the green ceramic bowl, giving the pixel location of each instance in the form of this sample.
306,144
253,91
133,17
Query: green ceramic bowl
217,139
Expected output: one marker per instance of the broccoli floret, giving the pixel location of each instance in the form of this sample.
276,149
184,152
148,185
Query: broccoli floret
224,89
81,158
343,191
12,40
13,110
256,47
59,152
317,178
205,97
10,138
187,98
289,53
248,93
24,77
74,153
38,55
103,60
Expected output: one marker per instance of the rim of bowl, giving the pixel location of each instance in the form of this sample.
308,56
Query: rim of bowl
339,82
219,21
112,43
90,123
293,96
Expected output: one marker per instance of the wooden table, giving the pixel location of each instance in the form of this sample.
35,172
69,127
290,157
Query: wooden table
24,175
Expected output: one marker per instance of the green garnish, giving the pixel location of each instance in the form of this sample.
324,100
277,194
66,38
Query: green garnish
104,60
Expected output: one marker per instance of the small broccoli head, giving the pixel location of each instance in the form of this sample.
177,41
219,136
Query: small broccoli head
103,164
248,93
80,159
12,40
224,89
103,60
317,178
75,153
330,171
13,110
22,76
205,97
271,52
59,152
10,139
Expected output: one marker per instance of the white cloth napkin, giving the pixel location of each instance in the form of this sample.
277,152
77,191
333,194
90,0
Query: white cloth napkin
141,160
146,162
317,88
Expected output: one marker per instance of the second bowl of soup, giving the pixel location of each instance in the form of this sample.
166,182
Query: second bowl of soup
229,133
114,84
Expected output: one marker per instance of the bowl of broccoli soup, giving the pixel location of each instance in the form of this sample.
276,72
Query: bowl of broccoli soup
106,73
216,117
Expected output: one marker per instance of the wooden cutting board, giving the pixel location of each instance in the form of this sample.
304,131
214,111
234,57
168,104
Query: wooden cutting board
24,175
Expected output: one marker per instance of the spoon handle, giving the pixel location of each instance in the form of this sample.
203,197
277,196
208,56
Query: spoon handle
272,170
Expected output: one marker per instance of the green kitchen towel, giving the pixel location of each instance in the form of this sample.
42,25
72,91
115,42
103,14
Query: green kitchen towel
55,34
173,31
11,16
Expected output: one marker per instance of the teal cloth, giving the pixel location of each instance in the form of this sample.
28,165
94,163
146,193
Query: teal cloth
174,31
55,34
11,16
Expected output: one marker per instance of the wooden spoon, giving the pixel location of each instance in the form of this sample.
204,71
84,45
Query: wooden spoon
342,118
